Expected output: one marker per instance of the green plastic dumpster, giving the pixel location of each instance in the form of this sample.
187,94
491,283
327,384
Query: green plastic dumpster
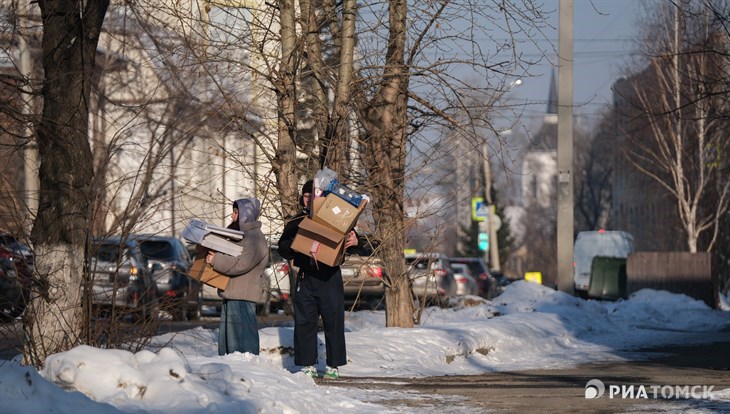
608,278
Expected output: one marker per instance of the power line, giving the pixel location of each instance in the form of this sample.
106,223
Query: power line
543,40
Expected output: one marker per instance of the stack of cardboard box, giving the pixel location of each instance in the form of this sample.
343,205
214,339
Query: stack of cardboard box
215,238
333,215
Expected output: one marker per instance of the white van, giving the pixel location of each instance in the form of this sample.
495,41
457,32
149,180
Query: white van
589,244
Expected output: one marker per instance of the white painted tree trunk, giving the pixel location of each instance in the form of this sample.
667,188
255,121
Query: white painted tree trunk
54,317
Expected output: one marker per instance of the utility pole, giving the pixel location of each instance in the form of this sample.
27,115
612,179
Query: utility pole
565,148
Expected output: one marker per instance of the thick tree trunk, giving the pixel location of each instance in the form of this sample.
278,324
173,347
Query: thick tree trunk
385,122
54,320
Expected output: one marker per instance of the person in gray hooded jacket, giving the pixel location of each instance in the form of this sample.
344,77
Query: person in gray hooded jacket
238,326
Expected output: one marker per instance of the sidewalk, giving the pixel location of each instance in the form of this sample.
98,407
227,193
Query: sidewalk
671,371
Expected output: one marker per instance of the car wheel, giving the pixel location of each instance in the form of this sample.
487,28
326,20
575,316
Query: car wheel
194,308
152,310
148,310
179,309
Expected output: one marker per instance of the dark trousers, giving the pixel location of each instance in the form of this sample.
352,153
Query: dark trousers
314,298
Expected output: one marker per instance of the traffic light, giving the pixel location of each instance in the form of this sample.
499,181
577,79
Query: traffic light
483,241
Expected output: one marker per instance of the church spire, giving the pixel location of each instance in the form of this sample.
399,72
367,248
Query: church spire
551,115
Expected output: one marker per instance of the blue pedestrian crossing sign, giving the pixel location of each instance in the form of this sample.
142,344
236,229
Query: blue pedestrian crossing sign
479,209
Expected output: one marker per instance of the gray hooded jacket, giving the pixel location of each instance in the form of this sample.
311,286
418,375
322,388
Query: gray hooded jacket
247,269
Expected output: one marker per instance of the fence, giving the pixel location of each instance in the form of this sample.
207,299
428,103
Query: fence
677,272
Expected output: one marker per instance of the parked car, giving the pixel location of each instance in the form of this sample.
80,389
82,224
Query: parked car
432,279
485,280
465,282
11,242
15,283
121,278
169,262
212,302
362,278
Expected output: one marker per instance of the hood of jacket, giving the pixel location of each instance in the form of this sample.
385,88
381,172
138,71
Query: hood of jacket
249,210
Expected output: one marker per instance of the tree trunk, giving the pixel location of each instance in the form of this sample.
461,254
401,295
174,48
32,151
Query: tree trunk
54,320
385,124
338,134
285,163
317,76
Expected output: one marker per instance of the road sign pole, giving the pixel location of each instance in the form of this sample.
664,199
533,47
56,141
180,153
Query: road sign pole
493,254
493,246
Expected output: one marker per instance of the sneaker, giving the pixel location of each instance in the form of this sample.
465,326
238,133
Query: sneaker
331,373
310,371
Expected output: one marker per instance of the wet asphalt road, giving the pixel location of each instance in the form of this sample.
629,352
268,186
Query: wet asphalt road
564,390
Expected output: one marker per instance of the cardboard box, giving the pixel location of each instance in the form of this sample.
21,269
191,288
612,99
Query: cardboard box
202,271
319,242
337,213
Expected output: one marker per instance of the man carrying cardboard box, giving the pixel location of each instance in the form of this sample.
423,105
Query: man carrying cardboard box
319,290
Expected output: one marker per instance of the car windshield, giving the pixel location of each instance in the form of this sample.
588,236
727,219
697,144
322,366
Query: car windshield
475,266
159,250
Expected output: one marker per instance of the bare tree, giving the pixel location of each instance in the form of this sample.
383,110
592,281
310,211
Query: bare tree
71,32
357,99
682,102
414,88
124,175
593,184
373,97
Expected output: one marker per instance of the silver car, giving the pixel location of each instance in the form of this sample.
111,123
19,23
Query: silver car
466,284
362,279
121,279
432,279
